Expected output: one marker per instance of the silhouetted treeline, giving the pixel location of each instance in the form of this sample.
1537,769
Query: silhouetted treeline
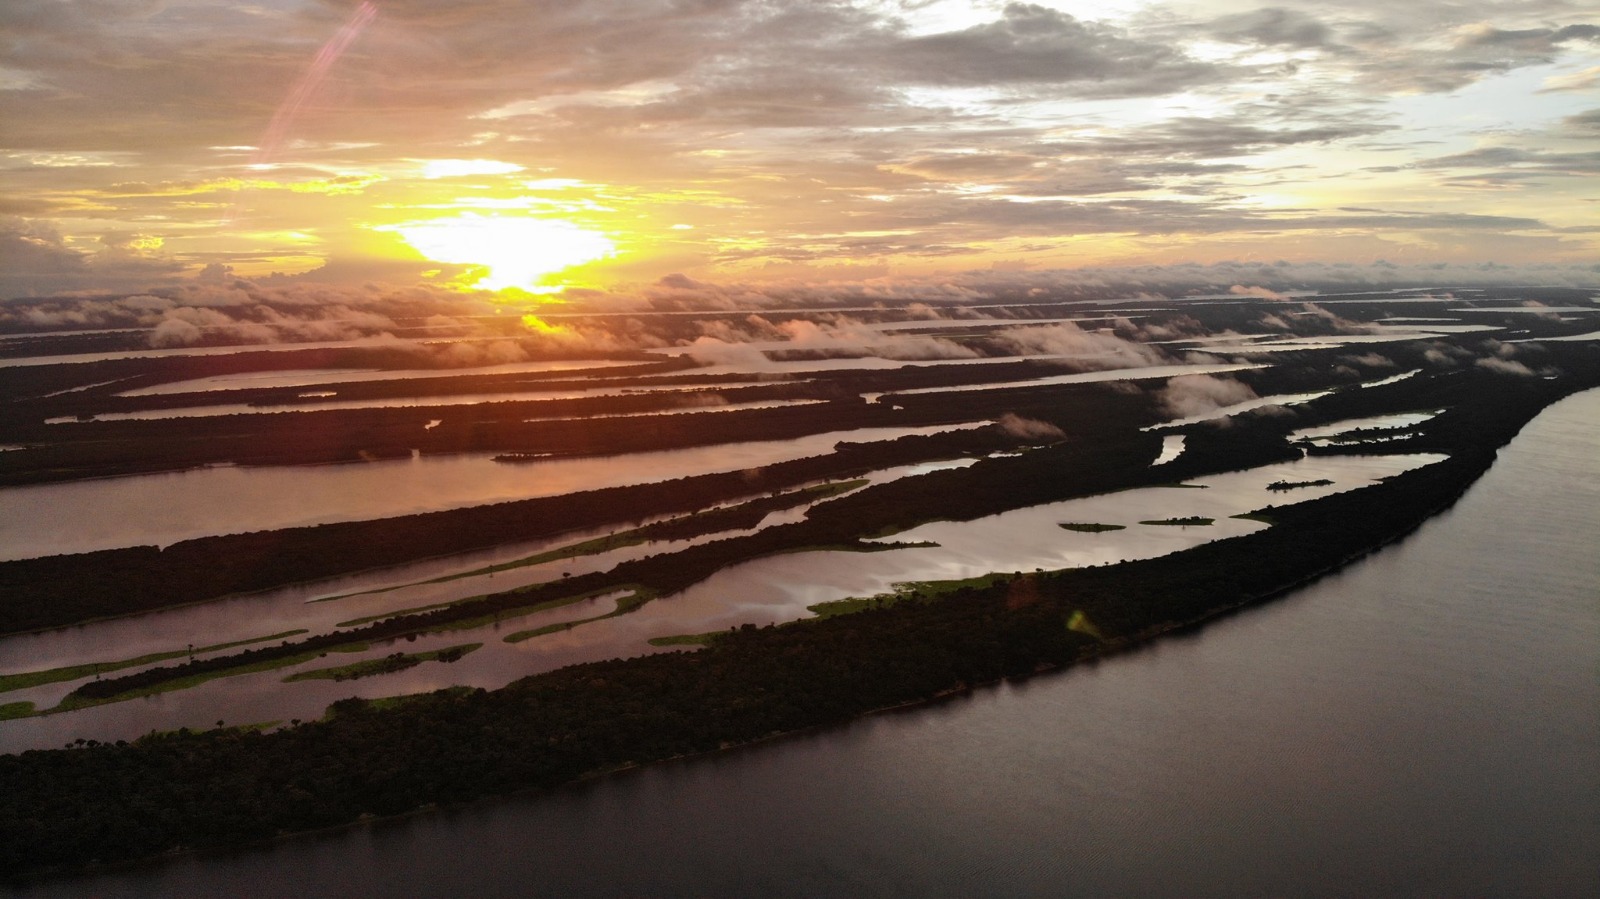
112,802
60,590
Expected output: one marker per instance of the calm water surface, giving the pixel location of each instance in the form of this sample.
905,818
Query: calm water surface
161,509
763,591
1426,722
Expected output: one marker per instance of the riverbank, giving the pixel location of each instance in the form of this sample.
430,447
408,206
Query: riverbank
63,809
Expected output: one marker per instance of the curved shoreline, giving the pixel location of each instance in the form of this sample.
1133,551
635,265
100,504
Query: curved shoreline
1083,651
63,809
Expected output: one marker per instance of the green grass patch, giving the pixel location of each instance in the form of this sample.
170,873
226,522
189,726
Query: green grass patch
827,491
530,633
686,639
617,540
639,597
939,588
514,612
398,612
1089,527
9,682
911,590
584,548
73,703
1191,521
396,662
391,702
259,727
626,604
836,607
520,611
11,710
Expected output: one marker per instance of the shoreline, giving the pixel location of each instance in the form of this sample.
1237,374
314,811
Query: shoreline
1087,654
65,811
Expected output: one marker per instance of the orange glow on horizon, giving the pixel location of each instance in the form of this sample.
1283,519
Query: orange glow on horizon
517,253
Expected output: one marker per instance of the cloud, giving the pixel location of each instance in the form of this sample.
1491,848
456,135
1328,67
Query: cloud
1172,328
1505,367
828,335
1034,45
474,354
1581,80
712,351
1265,293
1191,395
36,258
1028,428
1371,360
1522,162
189,325
845,141
1067,339
1273,26
1587,122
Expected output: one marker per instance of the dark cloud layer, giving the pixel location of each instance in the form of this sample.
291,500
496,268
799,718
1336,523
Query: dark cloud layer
770,135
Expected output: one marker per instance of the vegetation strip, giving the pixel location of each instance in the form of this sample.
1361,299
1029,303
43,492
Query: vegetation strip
686,639
54,591
225,788
1043,475
82,699
741,515
111,802
395,662
9,682
1292,485
625,604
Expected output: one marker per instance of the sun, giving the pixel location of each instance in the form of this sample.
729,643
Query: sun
506,252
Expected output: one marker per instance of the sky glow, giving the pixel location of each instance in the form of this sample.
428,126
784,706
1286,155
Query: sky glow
609,145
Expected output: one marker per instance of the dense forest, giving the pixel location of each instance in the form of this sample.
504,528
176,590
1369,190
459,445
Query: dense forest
108,802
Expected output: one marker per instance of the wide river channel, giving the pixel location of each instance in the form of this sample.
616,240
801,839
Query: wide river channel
1425,722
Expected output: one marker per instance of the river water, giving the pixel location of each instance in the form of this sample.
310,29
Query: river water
1425,722
763,591
161,509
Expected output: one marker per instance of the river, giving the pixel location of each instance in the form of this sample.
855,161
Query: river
1424,722
161,509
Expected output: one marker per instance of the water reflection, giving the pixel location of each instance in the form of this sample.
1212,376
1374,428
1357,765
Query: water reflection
692,391
764,591
161,509
1422,723
1091,377
311,377
1329,433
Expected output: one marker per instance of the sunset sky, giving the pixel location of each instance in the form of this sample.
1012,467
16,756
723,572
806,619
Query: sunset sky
611,144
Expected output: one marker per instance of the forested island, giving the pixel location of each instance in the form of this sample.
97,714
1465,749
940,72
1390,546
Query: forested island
109,801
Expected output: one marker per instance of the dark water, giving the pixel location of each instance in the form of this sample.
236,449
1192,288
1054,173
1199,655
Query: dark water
1426,722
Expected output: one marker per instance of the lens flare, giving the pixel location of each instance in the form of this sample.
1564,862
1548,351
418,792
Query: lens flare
311,81
1080,622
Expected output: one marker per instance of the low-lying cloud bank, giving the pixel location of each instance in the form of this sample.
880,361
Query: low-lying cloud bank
741,322
1192,395
1276,280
